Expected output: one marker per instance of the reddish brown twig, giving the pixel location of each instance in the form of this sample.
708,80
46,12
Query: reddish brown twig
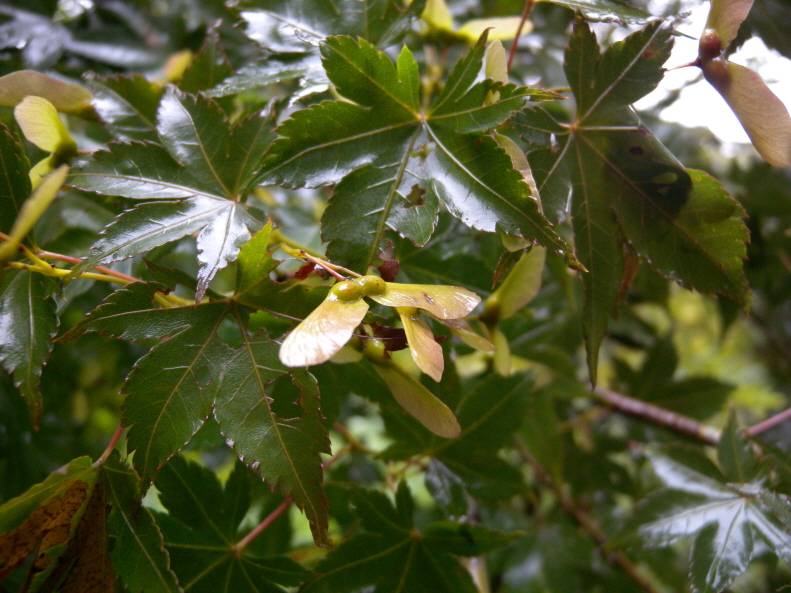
528,8
108,450
656,415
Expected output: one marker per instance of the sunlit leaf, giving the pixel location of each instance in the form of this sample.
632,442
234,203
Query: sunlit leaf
28,321
423,405
521,284
725,18
425,351
67,97
443,302
763,115
501,28
272,418
32,210
42,126
322,333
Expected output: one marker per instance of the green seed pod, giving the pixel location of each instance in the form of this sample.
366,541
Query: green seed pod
375,350
347,290
372,285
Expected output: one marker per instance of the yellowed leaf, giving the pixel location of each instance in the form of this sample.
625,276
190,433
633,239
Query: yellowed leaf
500,28
47,527
502,353
32,210
41,124
437,15
726,16
425,350
176,65
521,284
67,97
419,402
474,339
323,333
496,62
442,301
764,117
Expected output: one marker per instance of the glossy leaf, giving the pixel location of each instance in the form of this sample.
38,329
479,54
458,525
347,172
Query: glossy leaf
626,183
390,553
42,520
604,10
67,97
127,104
206,169
732,523
170,391
202,552
763,115
132,313
32,210
139,556
323,333
469,172
28,321
425,350
272,419
15,186
443,302
423,405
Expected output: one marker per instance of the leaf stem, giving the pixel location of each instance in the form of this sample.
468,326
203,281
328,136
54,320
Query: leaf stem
656,415
239,547
586,522
528,8
267,521
110,446
768,424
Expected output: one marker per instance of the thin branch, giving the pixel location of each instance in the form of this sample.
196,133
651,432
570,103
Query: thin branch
768,424
267,521
587,523
239,547
108,450
528,8
659,416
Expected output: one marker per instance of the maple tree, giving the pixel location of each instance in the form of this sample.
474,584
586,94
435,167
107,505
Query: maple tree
376,295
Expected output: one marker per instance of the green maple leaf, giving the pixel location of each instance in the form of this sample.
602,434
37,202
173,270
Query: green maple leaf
734,517
196,184
397,159
138,554
170,392
290,33
390,553
628,188
203,552
271,416
16,187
